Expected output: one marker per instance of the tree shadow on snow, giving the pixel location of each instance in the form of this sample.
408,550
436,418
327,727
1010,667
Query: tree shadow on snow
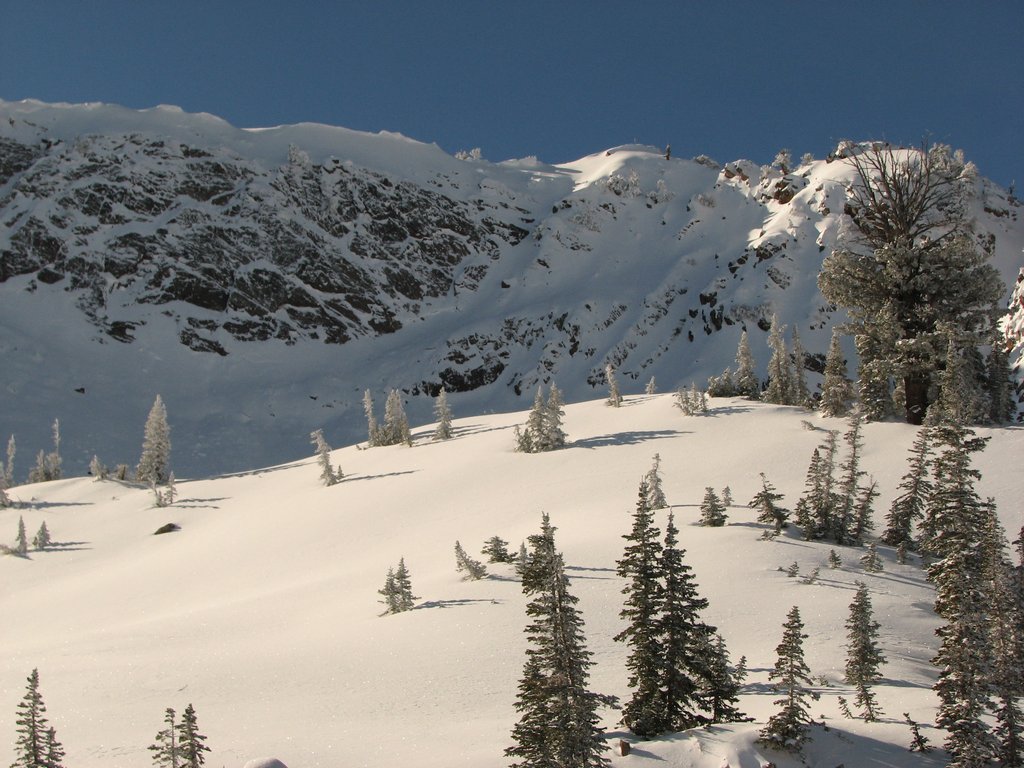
66,546
624,438
353,478
199,503
51,504
585,568
450,603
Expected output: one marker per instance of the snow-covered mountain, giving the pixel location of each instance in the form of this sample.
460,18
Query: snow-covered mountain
261,280
262,610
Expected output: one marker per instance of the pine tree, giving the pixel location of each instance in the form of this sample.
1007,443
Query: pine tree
1007,644
836,391
373,432
48,465
806,510
166,749
554,436
42,538
97,469
328,474
614,397
770,512
834,561
956,523
911,266
787,728
816,509
842,521
801,393
656,496
641,567
918,742
5,500
864,512
9,467
870,561
155,461
1002,409
687,654
390,594
558,720
780,371
747,382
21,542
909,506
54,749
405,599
443,416
722,686
722,386
36,741
727,496
522,560
396,424
496,549
863,657
473,569
190,741
652,387
712,510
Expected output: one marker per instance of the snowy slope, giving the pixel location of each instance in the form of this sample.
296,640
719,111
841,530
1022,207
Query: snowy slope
260,280
262,610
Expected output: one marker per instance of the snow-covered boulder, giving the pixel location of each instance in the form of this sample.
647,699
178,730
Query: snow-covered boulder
265,762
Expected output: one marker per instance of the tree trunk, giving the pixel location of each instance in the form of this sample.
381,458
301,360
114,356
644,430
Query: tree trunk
915,389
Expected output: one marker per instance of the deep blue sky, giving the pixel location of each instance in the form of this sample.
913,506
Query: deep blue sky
554,78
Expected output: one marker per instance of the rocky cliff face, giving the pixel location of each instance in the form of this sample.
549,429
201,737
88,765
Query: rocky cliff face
315,262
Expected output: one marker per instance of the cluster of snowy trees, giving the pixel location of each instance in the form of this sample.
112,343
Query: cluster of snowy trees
179,745
543,430
679,672
395,428
41,541
397,590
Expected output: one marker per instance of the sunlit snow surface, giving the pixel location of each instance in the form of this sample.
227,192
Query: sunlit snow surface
262,610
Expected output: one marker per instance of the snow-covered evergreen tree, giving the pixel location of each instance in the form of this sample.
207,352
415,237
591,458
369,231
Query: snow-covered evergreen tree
769,512
687,651
36,742
787,728
712,510
191,742
747,382
405,600
155,461
911,264
655,495
558,723
9,466
640,565
864,511
390,594
722,385
97,469
800,393
496,549
999,379
909,506
543,430
328,474
48,465
166,748
373,434
863,656
780,371
614,396
21,542
652,386
727,496
54,749
443,416
870,561
842,520
5,500
956,522
721,690
836,391
42,538
396,425
473,569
